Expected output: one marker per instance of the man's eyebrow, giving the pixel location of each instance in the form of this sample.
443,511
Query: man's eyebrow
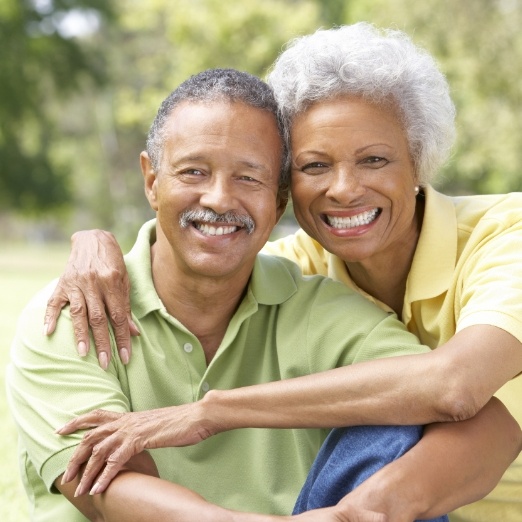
245,163
253,166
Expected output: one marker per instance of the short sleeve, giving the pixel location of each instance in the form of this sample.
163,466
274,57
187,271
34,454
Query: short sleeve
490,286
48,384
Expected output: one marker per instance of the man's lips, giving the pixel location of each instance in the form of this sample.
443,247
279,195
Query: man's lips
212,229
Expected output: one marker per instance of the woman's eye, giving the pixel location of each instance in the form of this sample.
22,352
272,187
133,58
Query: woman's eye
315,167
375,161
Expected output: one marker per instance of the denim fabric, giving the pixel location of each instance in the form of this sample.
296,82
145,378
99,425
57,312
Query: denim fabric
348,457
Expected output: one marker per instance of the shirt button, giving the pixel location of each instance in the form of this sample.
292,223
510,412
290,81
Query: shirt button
187,347
205,387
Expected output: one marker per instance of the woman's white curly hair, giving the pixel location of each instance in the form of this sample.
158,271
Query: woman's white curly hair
382,66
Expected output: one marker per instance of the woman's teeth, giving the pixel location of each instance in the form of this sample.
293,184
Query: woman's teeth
354,221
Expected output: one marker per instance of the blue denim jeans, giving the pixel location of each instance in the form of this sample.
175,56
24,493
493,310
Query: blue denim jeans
348,457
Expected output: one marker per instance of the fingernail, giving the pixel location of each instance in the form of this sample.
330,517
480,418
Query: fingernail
46,329
94,489
82,349
78,490
104,360
124,354
65,478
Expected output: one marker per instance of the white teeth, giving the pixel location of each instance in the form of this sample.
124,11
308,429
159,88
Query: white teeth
354,221
210,230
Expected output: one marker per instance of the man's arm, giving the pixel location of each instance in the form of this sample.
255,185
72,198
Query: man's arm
441,473
137,494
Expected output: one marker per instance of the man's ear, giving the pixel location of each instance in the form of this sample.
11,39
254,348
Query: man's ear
282,201
150,179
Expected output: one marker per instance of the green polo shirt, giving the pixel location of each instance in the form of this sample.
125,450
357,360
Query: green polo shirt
287,325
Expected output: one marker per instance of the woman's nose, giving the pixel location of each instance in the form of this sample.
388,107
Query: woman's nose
345,185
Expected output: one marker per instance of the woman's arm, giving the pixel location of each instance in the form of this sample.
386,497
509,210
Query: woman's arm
450,383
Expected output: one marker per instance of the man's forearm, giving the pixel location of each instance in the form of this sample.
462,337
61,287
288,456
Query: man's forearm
454,464
136,496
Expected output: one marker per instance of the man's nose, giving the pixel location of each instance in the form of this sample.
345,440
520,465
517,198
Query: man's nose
219,195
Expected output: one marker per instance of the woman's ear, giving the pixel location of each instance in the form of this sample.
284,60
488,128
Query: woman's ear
150,179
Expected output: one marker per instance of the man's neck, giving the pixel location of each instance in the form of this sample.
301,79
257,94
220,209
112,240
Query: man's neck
204,305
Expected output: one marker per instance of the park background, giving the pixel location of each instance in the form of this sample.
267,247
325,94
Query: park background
81,80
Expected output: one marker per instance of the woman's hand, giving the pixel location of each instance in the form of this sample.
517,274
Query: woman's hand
96,284
117,437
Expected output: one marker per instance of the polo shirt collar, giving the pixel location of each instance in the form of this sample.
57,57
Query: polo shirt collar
144,298
271,282
436,252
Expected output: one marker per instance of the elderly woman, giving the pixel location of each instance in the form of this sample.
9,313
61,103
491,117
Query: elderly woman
371,122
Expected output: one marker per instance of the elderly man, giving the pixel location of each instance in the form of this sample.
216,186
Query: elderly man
213,314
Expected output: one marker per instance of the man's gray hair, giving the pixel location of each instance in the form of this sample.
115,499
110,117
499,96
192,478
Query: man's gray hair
381,66
218,85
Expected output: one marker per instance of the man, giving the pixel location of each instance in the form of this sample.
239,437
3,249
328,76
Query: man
213,314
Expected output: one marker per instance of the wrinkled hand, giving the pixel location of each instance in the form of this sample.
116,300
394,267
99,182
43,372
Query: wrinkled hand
96,284
117,437
348,513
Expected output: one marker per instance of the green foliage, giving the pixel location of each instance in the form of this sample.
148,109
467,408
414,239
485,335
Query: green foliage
39,67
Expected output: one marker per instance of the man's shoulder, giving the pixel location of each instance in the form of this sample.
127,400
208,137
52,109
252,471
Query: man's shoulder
312,291
38,302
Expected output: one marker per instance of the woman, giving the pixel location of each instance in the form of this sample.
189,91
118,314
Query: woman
371,122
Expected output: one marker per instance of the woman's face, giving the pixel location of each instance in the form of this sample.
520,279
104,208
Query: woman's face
353,180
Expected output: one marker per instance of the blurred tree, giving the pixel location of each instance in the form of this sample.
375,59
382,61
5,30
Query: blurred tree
41,64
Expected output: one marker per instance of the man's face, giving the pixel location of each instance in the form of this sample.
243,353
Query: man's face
221,161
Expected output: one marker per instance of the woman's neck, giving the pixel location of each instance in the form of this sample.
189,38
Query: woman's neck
385,275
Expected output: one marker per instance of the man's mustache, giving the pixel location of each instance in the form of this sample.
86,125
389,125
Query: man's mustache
209,216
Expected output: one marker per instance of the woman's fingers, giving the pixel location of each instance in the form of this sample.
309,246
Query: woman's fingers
96,285
91,419
55,304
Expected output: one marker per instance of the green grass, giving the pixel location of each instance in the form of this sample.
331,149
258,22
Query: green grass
23,270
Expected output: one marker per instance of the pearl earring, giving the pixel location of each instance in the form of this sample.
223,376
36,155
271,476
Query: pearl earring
416,190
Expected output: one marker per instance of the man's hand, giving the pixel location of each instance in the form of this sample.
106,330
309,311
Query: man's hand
347,513
117,437
96,284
